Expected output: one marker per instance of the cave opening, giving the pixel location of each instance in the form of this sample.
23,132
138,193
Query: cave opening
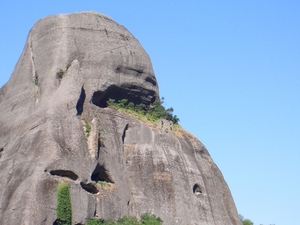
131,92
101,174
64,173
89,187
197,189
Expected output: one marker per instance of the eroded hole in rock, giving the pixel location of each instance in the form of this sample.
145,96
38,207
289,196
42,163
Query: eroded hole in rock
197,189
151,80
89,187
132,93
129,71
124,133
80,102
1,150
64,173
101,174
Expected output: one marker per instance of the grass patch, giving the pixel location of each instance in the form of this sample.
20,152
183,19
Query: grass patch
103,183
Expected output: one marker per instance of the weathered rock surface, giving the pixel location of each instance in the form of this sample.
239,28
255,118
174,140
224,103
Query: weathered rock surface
70,65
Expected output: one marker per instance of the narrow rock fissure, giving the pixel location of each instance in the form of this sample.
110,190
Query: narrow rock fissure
124,133
35,77
64,173
1,150
80,102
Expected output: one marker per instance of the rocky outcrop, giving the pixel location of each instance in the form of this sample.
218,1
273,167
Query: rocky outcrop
55,127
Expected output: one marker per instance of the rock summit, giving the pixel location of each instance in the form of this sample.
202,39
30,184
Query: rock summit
55,127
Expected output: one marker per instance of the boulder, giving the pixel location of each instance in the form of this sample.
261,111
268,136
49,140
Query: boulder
56,127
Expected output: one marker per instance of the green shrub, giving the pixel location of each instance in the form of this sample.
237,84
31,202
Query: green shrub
64,207
93,222
108,222
122,103
150,219
131,220
146,219
152,113
110,102
60,74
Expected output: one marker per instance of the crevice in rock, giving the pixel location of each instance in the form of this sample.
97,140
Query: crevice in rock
197,190
101,174
124,133
1,150
100,143
95,211
64,173
35,77
89,187
129,70
151,80
80,102
131,92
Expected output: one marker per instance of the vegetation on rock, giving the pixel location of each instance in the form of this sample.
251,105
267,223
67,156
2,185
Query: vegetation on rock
245,221
64,207
60,74
87,129
146,219
152,113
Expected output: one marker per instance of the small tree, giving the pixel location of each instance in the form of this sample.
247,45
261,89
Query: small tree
64,207
149,219
245,221
130,220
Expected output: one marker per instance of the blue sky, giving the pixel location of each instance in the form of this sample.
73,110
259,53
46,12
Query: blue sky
231,71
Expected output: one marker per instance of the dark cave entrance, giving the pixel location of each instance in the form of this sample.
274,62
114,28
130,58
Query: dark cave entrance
101,174
197,189
132,93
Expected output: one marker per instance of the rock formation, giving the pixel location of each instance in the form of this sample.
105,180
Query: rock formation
55,127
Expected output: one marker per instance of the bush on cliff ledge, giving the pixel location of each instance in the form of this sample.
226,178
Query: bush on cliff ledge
146,219
153,112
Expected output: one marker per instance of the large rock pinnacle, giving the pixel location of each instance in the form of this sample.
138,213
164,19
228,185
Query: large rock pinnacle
55,127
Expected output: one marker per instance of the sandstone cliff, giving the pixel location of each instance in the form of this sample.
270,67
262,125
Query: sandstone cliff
55,127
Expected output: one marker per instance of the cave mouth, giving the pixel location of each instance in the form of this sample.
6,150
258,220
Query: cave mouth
101,174
197,189
64,173
89,187
133,93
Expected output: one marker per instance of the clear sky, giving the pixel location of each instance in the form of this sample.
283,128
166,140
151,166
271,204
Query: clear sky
231,71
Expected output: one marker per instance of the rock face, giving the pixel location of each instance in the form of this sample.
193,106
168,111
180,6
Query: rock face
55,127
